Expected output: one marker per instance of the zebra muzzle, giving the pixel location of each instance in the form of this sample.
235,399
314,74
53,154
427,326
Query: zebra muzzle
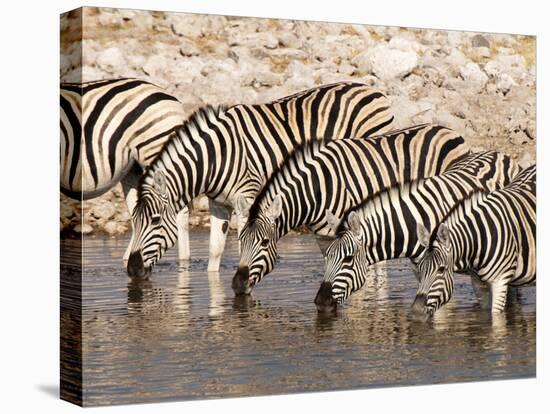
241,283
419,308
324,300
135,266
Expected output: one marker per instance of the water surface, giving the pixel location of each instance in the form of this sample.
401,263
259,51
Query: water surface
183,334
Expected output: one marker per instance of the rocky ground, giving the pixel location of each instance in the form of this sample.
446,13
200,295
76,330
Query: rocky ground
482,85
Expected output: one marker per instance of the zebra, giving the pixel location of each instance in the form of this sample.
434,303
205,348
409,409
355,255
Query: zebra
490,235
325,179
110,131
226,152
383,226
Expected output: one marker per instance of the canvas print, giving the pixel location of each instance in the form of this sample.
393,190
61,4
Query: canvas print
257,206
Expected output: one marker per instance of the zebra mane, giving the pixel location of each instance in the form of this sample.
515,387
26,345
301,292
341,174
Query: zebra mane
298,153
400,187
196,121
459,165
468,198
518,181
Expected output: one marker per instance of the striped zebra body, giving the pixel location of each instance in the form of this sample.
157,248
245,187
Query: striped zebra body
107,127
384,226
490,235
110,131
230,152
321,180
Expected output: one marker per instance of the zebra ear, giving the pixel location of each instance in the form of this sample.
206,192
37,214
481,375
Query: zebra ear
276,208
332,220
423,234
443,235
243,206
159,182
354,222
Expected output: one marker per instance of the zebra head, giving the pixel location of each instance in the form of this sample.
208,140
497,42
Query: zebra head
435,271
346,265
155,230
258,240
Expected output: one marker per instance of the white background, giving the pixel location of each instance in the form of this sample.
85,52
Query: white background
29,298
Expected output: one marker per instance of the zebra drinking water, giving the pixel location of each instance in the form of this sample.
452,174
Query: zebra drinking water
110,131
327,178
227,152
490,235
383,226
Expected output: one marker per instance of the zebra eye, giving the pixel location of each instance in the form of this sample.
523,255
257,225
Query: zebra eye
348,258
441,269
155,220
264,242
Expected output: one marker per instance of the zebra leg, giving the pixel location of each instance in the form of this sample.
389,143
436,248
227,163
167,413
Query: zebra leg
219,226
482,292
513,295
184,253
499,291
129,187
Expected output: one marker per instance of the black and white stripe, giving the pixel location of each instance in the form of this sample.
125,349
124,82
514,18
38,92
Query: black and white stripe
490,235
110,131
384,226
321,180
109,126
227,152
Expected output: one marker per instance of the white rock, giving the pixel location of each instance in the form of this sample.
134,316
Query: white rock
290,40
481,52
390,63
362,62
265,39
513,65
107,18
111,59
405,45
66,210
104,210
111,228
456,58
473,75
155,65
83,228
505,83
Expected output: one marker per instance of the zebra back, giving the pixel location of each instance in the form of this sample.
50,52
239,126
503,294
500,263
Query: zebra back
108,125
333,176
494,228
384,226
337,175
230,152
488,234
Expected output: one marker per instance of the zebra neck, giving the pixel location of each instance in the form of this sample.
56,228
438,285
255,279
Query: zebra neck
463,238
392,216
201,159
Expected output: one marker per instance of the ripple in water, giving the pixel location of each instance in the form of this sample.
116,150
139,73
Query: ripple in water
183,335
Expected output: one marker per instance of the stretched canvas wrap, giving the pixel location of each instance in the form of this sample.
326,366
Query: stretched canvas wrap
258,206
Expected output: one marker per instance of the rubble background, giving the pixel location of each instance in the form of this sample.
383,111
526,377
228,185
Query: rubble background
482,85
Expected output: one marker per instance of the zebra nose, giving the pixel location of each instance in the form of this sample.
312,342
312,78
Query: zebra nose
240,283
419,305
135,266
324,300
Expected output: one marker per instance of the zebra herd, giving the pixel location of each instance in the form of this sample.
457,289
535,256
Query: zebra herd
329,159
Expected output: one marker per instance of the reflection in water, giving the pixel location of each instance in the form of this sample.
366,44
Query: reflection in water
182,334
